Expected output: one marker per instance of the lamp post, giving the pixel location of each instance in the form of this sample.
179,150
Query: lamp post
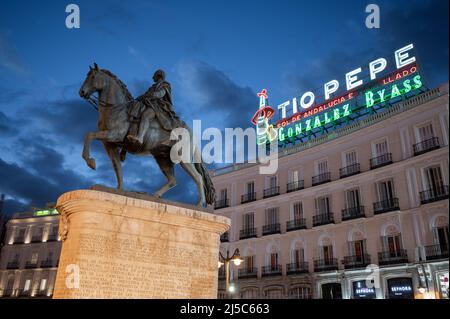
236,258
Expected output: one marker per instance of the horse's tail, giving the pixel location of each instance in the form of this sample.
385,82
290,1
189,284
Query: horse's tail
208,187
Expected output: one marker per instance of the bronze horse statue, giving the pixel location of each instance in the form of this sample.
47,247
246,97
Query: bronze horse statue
113,125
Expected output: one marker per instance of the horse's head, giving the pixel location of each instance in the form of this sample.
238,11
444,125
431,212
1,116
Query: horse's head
94,82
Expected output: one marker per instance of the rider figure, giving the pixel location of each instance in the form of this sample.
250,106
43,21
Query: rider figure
157,99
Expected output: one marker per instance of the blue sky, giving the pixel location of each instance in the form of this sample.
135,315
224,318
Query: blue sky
217,55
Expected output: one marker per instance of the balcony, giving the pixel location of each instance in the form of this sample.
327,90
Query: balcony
247,233
13,265
350,170
273,270
392,257
25,293
426,146
380,161
248,272
221,203
48,263
295,186
30,264
434,252
385,206
357,261
271,229
224,238
323,219
434,195
8,293
247,198
328,264
321,179
272,191
353,213
296,224
297,268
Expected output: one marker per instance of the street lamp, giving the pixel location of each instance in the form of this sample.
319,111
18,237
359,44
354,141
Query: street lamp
236,258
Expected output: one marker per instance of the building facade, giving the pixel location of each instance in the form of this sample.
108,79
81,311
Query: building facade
30,255
361,212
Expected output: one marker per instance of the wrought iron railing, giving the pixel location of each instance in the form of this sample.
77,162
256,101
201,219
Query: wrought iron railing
271,229
249,197
272,191
221,203
247,233
356,261
295,224
297,268
248,272
353,213
392,257
436,252
323,219
272,270
350,170
386,205
426,146
326,264
295,186
381,160
321,179
437,193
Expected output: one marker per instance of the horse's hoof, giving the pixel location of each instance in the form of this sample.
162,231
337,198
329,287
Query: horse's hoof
91,163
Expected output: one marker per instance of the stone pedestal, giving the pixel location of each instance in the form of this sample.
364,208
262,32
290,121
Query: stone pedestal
125,245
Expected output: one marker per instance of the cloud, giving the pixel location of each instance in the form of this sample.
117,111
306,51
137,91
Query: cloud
8,127
9,57
210,92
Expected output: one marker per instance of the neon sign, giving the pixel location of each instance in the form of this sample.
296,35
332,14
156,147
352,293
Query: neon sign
264,131
349,106
46,212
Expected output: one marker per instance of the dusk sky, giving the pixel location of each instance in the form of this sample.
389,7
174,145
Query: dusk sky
217,56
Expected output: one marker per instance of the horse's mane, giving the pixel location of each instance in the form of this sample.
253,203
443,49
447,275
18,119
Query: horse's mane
120,83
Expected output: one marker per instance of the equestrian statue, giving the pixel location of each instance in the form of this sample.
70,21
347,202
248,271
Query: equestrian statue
142,127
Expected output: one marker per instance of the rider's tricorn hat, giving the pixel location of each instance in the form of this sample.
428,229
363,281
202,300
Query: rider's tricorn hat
160,74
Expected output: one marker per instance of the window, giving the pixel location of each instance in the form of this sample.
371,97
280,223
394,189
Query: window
297,256
273,261
380,148
352,199
297,211
43,285
251,293
357,248
249,262
350,158
392,244
223,194
322,205
295,176
272,215
250,187
322,167
433,179
27,285
272,181
327,254
248,221
424,132
300,293
441,238
273,293
385,190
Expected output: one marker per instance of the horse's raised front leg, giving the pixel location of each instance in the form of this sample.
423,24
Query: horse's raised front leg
104,136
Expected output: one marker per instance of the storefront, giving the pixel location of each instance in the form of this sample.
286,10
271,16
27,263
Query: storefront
443,285
400,288
332,291
361,291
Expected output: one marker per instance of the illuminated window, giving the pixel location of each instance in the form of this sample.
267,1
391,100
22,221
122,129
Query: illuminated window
27,285
43,285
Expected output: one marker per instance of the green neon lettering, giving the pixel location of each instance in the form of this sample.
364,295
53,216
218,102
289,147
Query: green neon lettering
336,114
395,91
369,99
381,94
317,122
417,81
290,132
407,86
308,125
298,128
346,110
327,119
281,135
